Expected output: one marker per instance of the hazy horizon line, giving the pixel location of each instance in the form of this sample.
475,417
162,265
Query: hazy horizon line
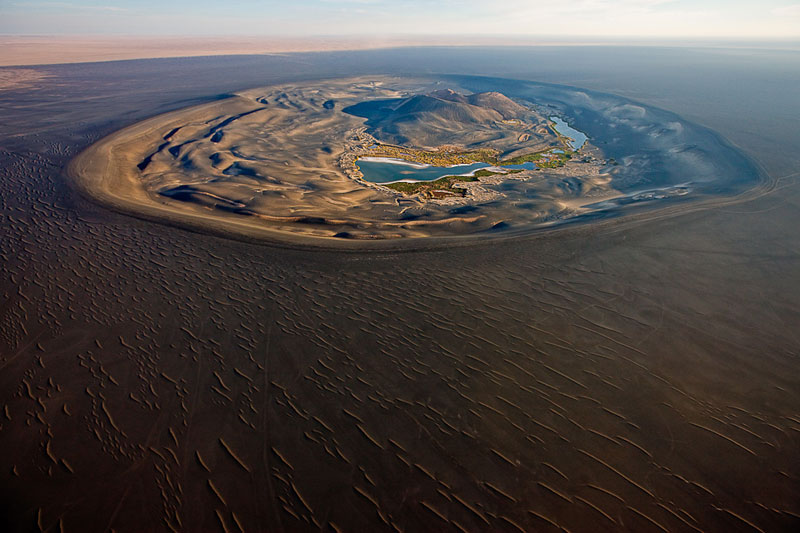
48,49
426,36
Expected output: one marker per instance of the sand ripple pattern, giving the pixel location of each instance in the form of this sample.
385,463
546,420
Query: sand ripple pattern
155,379
231,387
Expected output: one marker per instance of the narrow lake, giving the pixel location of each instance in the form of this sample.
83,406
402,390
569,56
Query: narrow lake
577,138
386,170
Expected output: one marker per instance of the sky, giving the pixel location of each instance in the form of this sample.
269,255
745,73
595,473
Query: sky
724,19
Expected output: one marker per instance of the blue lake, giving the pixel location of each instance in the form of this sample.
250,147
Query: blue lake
578,138
386,170
380,170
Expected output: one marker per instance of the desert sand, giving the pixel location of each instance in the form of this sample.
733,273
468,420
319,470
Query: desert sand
56,49
277,163
637,374
20,50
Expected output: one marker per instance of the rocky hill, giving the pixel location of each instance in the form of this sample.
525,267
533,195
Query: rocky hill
446,117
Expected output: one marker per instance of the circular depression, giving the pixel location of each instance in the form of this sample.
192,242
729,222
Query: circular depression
279,163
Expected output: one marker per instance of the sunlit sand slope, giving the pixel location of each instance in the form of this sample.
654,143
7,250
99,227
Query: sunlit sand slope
278,163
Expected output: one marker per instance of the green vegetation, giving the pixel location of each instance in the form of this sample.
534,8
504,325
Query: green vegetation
482,173
544,159
452,155
559,160
443,157
430,188
447,156
444,185
483,156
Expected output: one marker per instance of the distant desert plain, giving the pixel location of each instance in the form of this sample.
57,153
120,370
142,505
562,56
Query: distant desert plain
19,50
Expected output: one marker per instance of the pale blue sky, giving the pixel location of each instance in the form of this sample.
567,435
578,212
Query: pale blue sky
745,19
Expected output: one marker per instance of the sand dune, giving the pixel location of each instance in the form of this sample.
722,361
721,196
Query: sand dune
637,374
280,163
276,163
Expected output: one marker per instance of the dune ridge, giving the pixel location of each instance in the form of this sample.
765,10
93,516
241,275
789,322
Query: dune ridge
278,163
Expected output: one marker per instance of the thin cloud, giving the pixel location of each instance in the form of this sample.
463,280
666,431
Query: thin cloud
787,11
